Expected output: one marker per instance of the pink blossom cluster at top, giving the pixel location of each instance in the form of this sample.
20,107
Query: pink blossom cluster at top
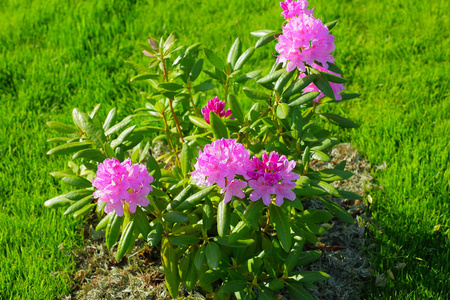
118,183
293,8
337,87
217,106
304,40
221,161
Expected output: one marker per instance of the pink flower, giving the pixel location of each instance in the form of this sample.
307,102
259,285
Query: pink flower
305,39
234,188
223,159
118,183
264,178
217,106
293,8
337,87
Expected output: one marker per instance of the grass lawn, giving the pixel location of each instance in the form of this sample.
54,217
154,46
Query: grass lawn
56,55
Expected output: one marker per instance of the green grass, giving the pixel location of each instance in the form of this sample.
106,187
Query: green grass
55,55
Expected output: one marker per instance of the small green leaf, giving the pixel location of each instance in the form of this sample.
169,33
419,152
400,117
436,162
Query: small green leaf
203,87
155,235
298,85
337,211
125,240
69,148
122,137
175,216
77,181
276,284
283,80
267,38
78,194
185,240
200,122
223,218
282,110
104,222
349,96
145,76
334,78
153,167
294,256
261,33
233,286
196,69
255,94
208,214
338,120
213,255
84,210
272,77
170,86
331,24
113,230
179,198
244,58
185,159
305,98
214,59
60,127
195,199
310,276
59,201
308,257
280,217
235,52
324,86
319,155
119,126
297,291
170,264
199,257
218,126
297,124
90,154
236,110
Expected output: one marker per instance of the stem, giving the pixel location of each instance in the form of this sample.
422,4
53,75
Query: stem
191,99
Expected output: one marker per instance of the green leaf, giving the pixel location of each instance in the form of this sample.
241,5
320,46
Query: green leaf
333,78
261,33
199,122
298,85
349,195
272,77
169,42
310,276
122,137
213,255
282,110
119,126
208,214
280,217
349,96
244,58
170,264
305,98
264,40
235,52
125,240
78,194
243,243
223,218
155,235
141,222
90,154
214,59
185,159
266,294
326,144
331,24
77,117
199,257
59,201
297,124
185,240
153,167
69,148
84,210
324,86
170,86
77,181
338,120
255,94
283,80
113,230
338,211
334,174
239,231
210,276
294,256
204,86
175,216
196,198
196,69
297,291
276,284
145,76
233,286
179,198
313,216
104,222
319,155
60,127
137,68
93,129
308,257
235,108
218,126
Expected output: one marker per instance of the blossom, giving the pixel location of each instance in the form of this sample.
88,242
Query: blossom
293,8
337,87
304,40
220,161
217,106
119,183
234,188
272,175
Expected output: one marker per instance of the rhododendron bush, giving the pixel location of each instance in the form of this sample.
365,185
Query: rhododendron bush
224,202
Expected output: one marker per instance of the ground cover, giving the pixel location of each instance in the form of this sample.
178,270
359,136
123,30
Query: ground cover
55,55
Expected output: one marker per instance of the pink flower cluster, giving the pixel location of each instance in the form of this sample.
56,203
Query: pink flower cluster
272,175
305,39
118,183
337,87
224,159
217,106
293,8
